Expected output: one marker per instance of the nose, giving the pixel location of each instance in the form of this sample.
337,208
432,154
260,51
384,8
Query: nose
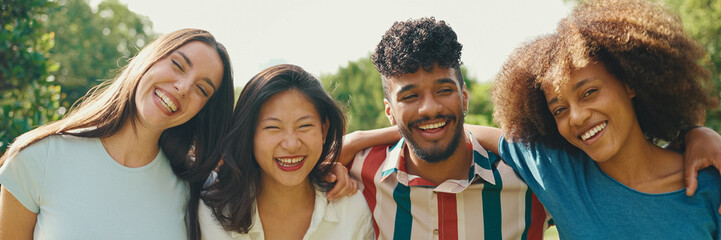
429,106
183,86
291,141
578,115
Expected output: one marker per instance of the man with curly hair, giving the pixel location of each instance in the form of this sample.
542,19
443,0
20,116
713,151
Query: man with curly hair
437,181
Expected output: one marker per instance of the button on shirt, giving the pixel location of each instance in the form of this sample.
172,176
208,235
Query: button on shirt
492,203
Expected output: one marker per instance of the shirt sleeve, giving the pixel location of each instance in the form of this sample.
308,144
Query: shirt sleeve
210,228
23,175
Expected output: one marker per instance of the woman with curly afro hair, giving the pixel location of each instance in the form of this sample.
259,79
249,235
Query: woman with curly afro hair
585,109
614,81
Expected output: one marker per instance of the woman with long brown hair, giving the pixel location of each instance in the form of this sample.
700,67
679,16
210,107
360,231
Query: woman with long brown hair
119,165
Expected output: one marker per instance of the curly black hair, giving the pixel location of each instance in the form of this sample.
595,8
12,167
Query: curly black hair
642,44
409,45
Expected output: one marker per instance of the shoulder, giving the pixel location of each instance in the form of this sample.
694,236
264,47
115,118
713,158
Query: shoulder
375,154
352,207
709,180
48,146
209,225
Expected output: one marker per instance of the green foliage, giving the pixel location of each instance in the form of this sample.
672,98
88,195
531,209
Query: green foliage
28,96
91,44
480,106
702,21
358,87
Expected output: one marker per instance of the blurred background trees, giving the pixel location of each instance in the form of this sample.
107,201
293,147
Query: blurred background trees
28,94
52,52
702,21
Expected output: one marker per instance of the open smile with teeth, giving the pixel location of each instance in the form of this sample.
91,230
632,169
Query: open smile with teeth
590,133
432,125
289,162
165,100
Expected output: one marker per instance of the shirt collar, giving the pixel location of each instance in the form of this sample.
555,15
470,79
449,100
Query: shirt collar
322,211
394,165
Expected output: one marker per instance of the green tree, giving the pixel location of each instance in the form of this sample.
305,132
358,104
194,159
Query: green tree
28,95
358,86
702,21
91,44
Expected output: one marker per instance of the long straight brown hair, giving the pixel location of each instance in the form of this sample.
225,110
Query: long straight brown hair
106,107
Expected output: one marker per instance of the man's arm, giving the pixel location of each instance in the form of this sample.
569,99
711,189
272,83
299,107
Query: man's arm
487,136
357,141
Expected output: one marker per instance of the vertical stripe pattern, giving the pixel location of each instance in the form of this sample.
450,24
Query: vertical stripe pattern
492,204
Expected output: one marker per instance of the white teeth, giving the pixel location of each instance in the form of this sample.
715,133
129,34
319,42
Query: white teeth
593,131
289,161
167,103
432,125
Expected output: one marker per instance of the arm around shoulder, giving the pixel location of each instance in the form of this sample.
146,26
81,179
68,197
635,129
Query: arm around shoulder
487,136
357,141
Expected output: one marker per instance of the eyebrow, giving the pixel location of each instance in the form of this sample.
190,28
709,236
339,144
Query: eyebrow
438,81
445,80
277,119
187,60
575,87
207,80
581,83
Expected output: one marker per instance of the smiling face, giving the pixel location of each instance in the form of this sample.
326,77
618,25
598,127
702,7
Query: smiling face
176,87
594,112
428,109
288,139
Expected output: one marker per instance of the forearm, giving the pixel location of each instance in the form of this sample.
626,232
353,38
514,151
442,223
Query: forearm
357,141
487,136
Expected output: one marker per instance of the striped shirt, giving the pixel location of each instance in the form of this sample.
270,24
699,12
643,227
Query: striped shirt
493,203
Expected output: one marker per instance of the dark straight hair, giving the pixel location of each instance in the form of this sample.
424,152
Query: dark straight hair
231,198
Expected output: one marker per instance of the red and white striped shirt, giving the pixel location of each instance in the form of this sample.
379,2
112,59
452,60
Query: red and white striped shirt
493,203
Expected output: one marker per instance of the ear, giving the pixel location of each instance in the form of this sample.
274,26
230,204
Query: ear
465,98
325,125
388,111
630,91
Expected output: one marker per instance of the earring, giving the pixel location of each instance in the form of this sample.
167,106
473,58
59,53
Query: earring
465,112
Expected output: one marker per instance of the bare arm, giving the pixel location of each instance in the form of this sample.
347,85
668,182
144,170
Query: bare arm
16,221
487,136
703,149
344,184
356,141
353,143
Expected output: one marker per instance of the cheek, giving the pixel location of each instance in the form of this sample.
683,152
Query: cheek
562,127
260,147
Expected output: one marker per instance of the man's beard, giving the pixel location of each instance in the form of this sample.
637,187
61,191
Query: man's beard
434,153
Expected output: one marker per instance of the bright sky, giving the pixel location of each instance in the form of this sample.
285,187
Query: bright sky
323,35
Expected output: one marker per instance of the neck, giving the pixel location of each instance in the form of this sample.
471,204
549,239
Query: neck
277,197
455,167
132,147
645,167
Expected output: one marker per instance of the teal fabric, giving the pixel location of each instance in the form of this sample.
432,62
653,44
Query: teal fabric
80,192
585,203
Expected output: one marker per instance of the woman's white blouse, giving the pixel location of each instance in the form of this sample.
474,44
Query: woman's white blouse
344,218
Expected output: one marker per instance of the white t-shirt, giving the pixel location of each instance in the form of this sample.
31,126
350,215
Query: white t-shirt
344,218
80,192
